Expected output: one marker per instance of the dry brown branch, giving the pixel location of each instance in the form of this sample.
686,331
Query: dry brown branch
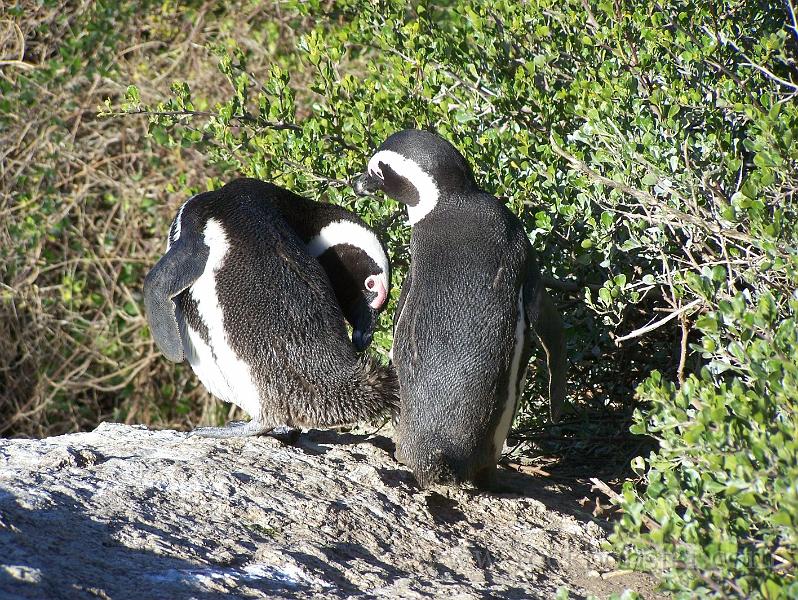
19,61
617,499
94,206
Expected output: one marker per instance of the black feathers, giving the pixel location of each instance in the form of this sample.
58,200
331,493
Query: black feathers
470,308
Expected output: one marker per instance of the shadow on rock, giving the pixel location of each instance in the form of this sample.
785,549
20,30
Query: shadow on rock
59,552
443,509
316,442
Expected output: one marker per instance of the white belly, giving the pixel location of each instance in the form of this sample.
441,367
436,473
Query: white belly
205,365
216,364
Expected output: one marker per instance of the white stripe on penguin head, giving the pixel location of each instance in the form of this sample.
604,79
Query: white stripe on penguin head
404,167
354,234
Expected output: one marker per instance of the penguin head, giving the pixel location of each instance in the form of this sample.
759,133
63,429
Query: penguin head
417,168
361,285
362,310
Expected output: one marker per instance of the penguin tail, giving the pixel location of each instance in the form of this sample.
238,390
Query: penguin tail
437,469
378,389
370,392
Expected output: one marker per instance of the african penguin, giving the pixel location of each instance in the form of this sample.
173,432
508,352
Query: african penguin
469,307
241,297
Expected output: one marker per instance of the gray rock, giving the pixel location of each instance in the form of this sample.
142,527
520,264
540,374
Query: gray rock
124,512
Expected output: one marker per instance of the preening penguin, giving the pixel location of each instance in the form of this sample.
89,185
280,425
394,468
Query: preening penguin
469,308
239,296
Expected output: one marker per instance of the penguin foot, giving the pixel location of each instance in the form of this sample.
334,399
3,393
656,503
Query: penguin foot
233,429
285,434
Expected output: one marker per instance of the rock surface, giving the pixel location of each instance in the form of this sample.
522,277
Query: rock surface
124,512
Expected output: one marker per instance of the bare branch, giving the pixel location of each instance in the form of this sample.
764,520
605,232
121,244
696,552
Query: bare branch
591,18
794,25
618,499
206,113
568,286
657,324
20,60
762,69
683,349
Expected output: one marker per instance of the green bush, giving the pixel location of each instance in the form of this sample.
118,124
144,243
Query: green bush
719,512
649,151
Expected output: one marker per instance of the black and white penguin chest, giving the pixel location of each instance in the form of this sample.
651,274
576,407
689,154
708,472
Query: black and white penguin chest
216,312
238,295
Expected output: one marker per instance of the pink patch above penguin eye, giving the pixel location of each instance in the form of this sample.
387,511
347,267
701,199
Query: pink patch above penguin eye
375,283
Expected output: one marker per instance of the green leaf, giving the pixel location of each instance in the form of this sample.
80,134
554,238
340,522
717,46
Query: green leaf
649,179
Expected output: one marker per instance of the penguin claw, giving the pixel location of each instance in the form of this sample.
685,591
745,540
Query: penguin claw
232,429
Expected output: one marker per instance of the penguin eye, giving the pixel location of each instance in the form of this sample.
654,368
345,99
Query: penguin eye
376,285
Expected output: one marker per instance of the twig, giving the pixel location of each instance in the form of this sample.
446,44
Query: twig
591,19
18,62
529,469
206,113
764,70
649,200
243,118
618,573
683,350
794,25
657,324
331,181
606,490
567,286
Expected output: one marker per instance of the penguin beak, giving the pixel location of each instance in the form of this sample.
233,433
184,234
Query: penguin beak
361,340
363,324
367,184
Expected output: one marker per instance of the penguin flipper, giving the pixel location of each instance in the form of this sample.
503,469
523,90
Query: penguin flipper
403,293
180,267
547,325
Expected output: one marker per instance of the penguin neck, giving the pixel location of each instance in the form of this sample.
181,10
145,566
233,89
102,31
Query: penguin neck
442,201
425,205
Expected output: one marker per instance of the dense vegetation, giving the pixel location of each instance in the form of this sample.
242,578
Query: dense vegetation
648,148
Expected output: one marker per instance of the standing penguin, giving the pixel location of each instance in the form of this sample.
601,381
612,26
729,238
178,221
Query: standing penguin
239,296
469,307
